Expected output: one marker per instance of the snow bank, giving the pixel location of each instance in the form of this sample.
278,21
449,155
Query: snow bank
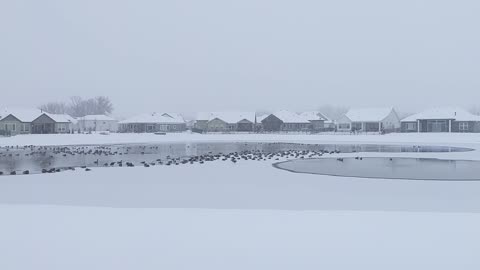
120,138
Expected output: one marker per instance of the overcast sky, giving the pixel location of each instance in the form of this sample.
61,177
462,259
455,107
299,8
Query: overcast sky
206,55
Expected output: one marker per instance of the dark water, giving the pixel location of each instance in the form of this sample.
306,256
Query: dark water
35,159
388,168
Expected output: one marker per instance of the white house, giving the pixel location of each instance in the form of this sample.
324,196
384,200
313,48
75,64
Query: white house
97,123
369,120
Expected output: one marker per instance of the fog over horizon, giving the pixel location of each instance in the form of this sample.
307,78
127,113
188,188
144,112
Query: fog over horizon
188,56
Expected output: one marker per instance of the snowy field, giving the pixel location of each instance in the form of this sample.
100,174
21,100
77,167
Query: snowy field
123,138
247,215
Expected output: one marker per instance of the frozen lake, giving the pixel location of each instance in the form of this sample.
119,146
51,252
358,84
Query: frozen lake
38,158
388,168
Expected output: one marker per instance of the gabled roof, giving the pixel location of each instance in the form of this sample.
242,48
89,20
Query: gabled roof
29,115
446,113
290,117
175,116
260,118
228,117
368,114
97,117
61,118
313,116
151,118
23,115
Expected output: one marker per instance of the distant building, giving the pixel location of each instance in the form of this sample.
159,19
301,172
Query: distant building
317,119
369,120
442,120
225,122
285,121
90,123
153,122
18,121
48,123
25,121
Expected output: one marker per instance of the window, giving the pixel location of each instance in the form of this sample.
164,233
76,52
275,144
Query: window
357,126
411,126
163,127
344,126
463,126
437,126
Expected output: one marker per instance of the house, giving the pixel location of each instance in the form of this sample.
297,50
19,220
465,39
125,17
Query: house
329,124
285,121
259,125
317,119
48,123
97,123
18,121
153,122
226,122
24,121
369,120
441,120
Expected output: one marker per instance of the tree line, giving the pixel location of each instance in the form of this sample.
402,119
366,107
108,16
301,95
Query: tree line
80,107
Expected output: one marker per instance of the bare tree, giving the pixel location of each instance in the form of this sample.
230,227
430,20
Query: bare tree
76,107
104,105
79,107
54,107
475,109
333,112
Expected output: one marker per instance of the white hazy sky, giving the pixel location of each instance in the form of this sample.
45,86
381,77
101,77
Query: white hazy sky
190,55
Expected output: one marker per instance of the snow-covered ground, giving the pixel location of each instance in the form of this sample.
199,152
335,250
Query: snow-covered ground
55,237
247,215
122,138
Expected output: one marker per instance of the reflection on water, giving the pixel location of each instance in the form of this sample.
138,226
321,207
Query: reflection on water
388,168
36,159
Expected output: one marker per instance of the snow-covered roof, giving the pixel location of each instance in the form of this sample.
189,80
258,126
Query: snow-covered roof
314,115
261,117
29,115
175,116
97,117
368,114
228,117
151,118
453,113
290,117
61,118
24,115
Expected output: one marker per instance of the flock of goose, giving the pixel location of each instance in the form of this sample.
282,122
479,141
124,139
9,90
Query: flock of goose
105,151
